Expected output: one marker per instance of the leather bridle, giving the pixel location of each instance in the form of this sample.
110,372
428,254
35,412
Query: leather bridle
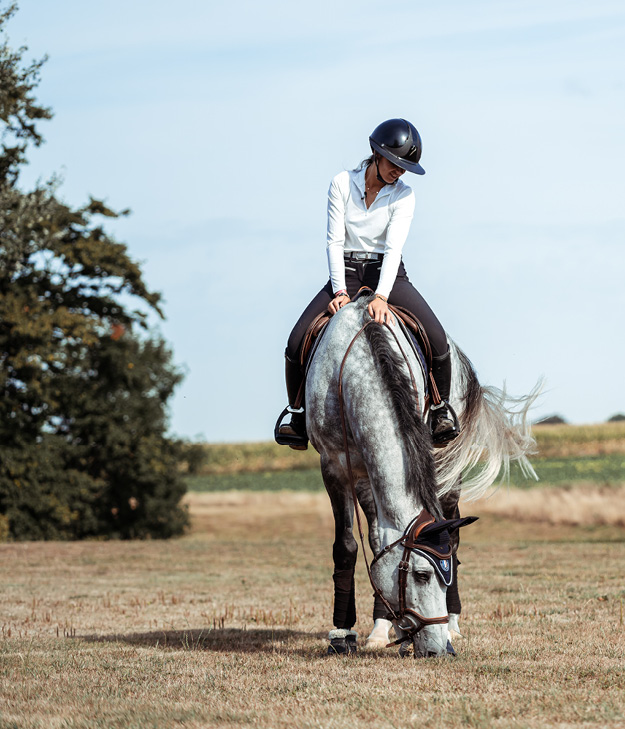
409,621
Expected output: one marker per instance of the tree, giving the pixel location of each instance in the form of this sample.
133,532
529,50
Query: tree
83,387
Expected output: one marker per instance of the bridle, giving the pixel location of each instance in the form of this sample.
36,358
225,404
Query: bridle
409,621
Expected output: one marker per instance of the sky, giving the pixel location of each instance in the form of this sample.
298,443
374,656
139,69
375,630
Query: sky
221,124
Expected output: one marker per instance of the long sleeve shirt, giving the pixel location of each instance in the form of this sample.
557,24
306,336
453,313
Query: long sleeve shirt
383,228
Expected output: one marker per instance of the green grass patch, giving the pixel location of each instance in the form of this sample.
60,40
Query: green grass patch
607,469
296,480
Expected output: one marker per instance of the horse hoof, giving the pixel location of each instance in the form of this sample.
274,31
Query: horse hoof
373,644
450,649
342,642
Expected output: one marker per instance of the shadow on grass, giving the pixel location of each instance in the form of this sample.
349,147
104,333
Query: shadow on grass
226,640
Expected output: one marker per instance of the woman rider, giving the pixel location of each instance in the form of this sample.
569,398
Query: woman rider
369,214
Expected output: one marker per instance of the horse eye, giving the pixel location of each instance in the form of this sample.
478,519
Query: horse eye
422,577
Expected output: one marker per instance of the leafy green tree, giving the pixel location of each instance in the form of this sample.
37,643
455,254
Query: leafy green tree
83,392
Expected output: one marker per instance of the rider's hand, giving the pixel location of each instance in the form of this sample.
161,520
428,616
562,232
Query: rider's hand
337,303
379,311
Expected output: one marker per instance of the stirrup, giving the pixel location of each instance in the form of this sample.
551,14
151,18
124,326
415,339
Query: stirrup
293,440
441,439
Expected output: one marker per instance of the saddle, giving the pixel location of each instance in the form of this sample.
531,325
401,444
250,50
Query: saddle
410,325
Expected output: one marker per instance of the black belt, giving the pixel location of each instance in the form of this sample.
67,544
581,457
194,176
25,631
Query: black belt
363,256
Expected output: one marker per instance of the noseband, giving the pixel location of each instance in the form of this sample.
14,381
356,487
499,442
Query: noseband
406,619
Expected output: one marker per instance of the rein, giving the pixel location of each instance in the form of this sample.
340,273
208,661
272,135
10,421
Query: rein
408,620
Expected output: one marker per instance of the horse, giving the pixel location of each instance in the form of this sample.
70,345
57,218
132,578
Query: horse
365,415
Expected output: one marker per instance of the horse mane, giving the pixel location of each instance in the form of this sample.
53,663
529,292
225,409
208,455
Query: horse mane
494,431
420,467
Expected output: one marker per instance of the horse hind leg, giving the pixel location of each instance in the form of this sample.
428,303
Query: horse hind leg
449,504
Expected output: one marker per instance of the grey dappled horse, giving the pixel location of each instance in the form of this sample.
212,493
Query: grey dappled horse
397,473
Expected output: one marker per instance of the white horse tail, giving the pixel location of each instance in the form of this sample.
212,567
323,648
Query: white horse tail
494,432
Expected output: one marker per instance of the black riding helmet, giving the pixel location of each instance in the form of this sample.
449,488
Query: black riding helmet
398,140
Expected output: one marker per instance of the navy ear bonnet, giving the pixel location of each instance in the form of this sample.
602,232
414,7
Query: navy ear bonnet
433,541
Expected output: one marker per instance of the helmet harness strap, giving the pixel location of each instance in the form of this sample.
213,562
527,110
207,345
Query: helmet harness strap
376,157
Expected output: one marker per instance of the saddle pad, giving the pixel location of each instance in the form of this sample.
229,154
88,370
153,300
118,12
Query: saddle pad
421,357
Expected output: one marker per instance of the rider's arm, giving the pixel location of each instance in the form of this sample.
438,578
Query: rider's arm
396,234
336,231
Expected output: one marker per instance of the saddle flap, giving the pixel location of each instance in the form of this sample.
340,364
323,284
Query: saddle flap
313,333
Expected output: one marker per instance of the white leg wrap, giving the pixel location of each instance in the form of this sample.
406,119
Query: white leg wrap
454,629
341,633
379,635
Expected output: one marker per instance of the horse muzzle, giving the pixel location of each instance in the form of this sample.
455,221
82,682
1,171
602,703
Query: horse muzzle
410,623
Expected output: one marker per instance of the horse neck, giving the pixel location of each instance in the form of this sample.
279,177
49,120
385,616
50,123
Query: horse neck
396,507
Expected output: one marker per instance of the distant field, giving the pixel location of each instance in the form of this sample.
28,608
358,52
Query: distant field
567,455
604,470
555,442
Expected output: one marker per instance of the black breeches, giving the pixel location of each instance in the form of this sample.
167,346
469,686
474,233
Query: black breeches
358,275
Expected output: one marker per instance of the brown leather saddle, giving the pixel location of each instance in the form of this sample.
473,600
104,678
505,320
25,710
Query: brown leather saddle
410,325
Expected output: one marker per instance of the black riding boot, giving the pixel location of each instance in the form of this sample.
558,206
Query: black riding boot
444,424
293,434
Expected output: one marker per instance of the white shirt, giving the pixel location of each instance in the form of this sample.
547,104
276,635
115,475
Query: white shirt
383,228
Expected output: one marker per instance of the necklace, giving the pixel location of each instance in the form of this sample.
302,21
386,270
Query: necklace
368,189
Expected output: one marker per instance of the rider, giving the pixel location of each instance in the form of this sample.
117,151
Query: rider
369,214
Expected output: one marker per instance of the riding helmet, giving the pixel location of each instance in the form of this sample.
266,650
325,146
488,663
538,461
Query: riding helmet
398,140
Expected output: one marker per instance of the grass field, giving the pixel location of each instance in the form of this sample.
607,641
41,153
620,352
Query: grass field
226,628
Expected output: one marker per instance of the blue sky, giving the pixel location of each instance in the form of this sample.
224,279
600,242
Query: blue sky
220,126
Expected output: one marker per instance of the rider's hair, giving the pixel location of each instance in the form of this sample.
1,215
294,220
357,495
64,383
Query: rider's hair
364,164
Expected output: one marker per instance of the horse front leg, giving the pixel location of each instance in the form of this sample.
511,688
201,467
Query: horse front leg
379,636
344,553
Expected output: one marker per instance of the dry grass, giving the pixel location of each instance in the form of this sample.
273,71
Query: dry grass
564,441
225,628
223,458
579,505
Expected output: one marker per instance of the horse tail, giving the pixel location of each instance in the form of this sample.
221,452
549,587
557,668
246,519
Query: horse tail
494,432
420,468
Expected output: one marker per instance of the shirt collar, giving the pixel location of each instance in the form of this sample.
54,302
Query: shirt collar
359,180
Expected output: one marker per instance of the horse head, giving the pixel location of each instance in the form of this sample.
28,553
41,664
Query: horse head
411,576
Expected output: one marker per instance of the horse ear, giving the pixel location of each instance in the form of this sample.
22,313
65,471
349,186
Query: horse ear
453,524
449,525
